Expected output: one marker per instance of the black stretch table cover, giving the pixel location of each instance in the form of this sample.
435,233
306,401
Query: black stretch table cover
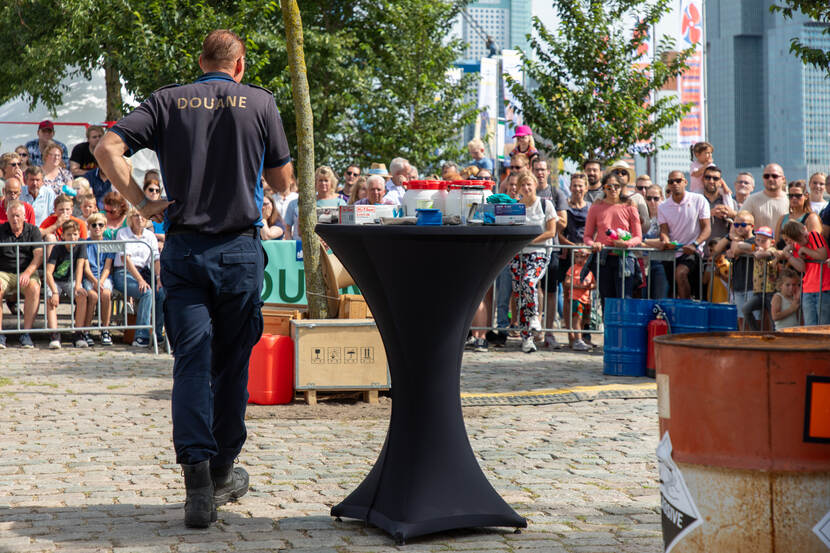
423,285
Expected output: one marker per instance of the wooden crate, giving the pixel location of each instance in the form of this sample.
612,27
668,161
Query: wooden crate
310,396
338,355
276,318
353,306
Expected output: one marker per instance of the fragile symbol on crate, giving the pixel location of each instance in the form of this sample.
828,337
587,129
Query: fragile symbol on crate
367,354
334,355
317,355
350,355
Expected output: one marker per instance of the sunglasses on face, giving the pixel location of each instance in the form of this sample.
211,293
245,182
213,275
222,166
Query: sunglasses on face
516,167
795,195
643,188
153,190
22,155
711,177
15,164
653,198
97,225
741,225
675,181
352,174
771,176
612,186
620,172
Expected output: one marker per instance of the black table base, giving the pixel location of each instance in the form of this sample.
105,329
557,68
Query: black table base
423,285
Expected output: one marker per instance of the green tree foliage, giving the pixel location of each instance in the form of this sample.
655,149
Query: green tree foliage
377,70
145,44
817,10
592,99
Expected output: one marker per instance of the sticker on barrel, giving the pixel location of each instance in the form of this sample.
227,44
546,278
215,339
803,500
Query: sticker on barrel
822,530
679,512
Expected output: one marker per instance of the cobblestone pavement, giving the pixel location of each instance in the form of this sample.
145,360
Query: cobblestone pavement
87,462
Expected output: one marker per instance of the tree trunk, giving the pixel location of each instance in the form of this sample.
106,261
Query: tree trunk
114,102
315,288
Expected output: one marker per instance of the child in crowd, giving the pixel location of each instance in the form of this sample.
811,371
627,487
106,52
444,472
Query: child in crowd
524,143
734,246
85,205
764,277
577,293
806,252
97,281
787,300
64,274
701,159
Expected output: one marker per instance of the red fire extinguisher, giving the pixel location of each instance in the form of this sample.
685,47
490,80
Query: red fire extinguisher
656,327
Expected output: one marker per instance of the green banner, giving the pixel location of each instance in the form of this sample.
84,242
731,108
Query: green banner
284,280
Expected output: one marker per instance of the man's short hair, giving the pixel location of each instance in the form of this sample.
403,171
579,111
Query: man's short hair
61,199
70,226
397,165
537,159
32,170
587,162
746,174
91,128
712,169
14,204
222,47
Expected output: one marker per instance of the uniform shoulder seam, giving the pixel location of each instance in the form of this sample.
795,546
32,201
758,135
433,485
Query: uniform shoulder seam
166,87
259,87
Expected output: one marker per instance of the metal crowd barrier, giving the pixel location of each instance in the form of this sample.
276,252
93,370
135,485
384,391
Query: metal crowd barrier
105,246
648,254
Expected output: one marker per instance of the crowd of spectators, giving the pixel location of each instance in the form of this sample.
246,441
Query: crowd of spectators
51,197
766,250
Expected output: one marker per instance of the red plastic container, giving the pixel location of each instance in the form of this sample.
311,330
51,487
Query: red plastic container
271,371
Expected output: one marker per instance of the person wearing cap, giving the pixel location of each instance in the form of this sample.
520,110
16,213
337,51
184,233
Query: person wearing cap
684,217
764,277
37,146
627,178
395,189
524,143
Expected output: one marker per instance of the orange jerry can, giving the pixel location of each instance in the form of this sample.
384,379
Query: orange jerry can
271,371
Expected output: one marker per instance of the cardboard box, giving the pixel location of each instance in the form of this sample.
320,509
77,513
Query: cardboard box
276,319
332,354
365,214
503,214
353,306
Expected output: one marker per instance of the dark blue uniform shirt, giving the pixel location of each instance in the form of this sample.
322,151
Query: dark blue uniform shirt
213,137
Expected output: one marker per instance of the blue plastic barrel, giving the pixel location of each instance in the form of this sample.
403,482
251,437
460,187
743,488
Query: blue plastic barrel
722,317
685,316
626,323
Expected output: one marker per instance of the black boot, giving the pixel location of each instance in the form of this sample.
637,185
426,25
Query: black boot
199,508
229,483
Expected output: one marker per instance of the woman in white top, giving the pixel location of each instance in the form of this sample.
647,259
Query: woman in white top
529,266
135,267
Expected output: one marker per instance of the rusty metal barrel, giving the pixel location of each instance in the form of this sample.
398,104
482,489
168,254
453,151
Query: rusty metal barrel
745,449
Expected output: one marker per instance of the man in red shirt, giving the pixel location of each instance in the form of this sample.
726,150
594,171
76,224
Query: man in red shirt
11,193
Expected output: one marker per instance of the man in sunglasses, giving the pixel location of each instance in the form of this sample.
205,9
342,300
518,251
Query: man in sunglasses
721,207
771,203
11,193
684,217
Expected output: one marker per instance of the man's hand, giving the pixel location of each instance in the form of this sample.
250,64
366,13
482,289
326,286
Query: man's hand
24,279
690,249
154,210
596,246
53,299
143,286
79,291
